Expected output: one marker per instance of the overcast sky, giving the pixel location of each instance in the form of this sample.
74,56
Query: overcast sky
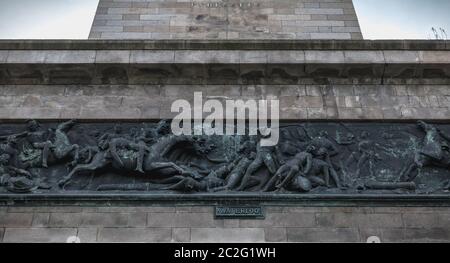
72,19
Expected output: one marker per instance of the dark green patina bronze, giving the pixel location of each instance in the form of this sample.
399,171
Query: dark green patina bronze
347,159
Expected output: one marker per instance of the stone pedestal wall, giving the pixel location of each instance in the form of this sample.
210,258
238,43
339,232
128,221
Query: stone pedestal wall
197,224
314,80
297,102
226,19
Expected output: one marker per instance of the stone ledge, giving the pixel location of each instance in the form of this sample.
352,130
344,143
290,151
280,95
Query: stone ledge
223,57
307,200
224,45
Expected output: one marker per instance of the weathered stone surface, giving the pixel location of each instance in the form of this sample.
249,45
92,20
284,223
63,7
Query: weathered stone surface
149,56
135,101
229,235
105,219
430,234
419,220
38,235
135,235
113,56
41,219
224,20
322,235
3,56
277,234
15,219
69,56
87,235
89,219
333,224
137,219
181,220
349,220
282,220
181,235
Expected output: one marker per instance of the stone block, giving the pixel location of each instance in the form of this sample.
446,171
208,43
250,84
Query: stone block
222,56
106,113
348,220
373,113
346,29
3,56
324,57
138,219
126,35
419,101
363,57
41,219
8,219
2,232
317,113
87,235
351,113
181,235
150,56
70,56
96,29
38,235
340,36
26,56
107,17
319,11
146,235
113,56
418,220
105,219
352,101
288,57
322,235
277,234
391,56
292,90
181,220
253,56
282,220
65,219
344,90
314,90
228,235
312,102
160,209
435,57
419,235
370,100
216,57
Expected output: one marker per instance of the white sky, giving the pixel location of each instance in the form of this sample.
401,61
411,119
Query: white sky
72,19
46,19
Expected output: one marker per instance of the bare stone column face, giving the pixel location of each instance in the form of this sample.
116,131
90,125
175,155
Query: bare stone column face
225,19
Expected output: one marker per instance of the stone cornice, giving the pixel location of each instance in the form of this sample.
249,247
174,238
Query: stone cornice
266,62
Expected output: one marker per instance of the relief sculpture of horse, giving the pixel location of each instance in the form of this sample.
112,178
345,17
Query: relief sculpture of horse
59,149
433,152
155,161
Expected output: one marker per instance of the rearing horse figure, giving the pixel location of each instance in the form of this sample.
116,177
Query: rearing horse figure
60,148
155,161
434,152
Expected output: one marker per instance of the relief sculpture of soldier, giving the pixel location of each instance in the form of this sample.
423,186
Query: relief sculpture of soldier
34,158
